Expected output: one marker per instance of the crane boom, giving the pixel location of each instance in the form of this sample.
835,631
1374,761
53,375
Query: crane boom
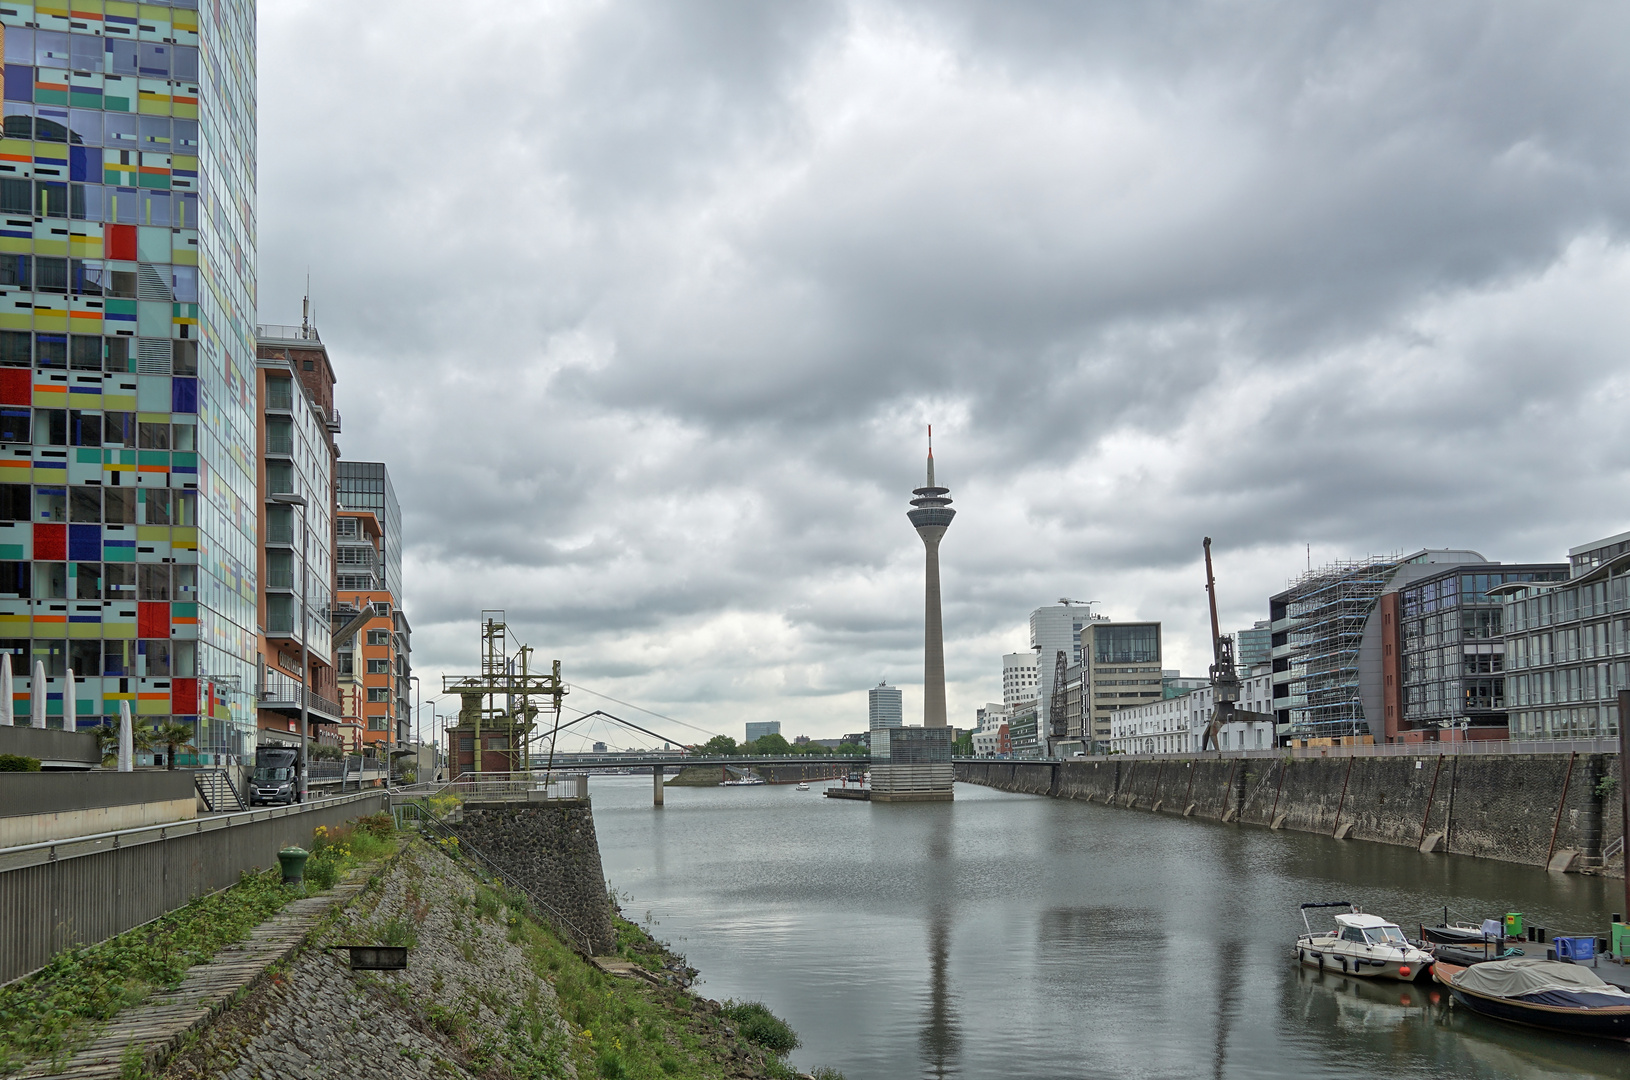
1224,677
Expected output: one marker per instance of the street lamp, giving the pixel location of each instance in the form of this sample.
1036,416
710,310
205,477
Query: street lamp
305,694
418,730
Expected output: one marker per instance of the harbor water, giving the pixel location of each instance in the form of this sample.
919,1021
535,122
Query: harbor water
1019,936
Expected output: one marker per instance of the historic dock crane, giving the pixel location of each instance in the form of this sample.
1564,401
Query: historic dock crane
1225,685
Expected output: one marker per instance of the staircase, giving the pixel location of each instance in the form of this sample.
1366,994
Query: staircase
216,788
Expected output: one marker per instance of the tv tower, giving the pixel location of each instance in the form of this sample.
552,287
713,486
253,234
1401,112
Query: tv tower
931,518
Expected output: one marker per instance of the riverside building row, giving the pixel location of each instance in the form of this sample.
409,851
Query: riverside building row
1435,645
146,431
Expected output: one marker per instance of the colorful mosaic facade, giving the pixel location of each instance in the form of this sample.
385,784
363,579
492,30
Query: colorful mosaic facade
127,361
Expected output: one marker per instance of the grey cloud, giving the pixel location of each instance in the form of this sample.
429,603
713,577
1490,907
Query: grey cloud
646,305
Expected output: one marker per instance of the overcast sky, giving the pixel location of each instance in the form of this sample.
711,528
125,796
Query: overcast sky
647,304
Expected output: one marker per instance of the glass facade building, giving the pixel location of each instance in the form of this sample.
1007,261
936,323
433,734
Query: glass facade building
1453,651
366,485
1568,646
127,361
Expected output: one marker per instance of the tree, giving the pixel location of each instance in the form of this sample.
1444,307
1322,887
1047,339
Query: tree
107,741
718,746
172,736
963,747
771,745
852,749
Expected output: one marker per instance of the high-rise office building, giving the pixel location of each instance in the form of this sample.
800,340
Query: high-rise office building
885,706
388,642
757,729
1053,630
366,485
296,451
127,363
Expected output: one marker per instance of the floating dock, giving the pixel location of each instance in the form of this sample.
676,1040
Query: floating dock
863,794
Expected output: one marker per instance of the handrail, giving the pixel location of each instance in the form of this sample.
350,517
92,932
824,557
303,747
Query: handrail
423,816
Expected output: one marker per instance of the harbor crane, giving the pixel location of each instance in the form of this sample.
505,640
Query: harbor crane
1225,686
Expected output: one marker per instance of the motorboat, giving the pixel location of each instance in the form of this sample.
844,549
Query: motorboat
1547,994
743,781
1364,945
802,786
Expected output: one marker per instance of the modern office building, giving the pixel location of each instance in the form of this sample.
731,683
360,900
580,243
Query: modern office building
366,486
885,706
367,658
1328,642
1253,647
296,454
1018,678
127,364
1055,631
1567,645
1122,670
1174,684
757,729
1444,653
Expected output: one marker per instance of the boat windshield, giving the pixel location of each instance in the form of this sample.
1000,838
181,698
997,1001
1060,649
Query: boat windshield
1386,935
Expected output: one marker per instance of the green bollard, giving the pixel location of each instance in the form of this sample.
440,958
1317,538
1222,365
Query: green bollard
293,862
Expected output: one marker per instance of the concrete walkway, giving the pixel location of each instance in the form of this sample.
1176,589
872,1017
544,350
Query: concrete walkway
158,1025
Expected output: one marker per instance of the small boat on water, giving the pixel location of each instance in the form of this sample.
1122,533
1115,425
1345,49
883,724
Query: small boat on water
743,781
803,786
1540,993
1364,945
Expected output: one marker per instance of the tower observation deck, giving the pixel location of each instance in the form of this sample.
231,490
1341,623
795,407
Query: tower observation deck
931,515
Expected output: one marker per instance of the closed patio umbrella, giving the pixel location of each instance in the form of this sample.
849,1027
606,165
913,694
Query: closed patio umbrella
6,717
127,739
36,694
70,710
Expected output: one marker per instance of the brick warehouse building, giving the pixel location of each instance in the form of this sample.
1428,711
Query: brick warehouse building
127,365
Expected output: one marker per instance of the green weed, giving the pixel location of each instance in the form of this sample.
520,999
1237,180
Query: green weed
758,1024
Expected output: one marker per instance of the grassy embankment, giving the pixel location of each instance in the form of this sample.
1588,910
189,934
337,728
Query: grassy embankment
59,1008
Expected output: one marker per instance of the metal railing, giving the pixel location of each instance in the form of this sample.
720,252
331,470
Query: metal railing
279,690
285,332
1473,747
500,786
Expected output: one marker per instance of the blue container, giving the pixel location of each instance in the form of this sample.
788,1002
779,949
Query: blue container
1575,948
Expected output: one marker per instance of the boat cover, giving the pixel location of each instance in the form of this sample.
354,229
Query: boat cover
1542,982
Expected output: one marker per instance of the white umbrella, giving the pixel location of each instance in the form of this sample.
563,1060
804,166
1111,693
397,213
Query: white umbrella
6,718
37,695
70,708
127,739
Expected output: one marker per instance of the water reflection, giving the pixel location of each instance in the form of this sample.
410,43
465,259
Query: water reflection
941,1038
1028,938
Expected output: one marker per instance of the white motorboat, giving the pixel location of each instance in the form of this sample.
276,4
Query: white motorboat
803,787
743,781
1364,945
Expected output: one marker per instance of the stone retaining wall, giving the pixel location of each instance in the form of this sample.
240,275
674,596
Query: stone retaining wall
551,849
1497,806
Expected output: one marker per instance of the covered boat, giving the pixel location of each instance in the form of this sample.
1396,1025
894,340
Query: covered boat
1540,993
1364,945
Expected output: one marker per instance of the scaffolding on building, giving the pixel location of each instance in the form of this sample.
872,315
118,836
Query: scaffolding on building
499,707
1328,608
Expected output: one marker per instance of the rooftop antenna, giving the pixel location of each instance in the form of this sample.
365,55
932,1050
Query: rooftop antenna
305,308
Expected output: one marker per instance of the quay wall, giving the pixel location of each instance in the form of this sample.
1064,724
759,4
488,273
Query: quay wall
1502,807
552,850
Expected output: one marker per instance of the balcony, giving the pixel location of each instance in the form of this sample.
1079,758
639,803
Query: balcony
280,579
281,692
280,442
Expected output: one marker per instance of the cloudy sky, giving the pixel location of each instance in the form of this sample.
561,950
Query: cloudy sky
647,304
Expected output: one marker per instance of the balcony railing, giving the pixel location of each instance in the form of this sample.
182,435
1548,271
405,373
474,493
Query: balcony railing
282,443
285,332
280,579
280,691
279,534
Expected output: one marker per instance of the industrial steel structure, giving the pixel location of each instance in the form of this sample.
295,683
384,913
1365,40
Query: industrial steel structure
499,705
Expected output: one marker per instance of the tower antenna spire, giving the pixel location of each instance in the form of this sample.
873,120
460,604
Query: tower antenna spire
930,455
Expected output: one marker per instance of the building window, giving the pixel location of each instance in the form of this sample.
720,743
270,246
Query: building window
379,667
377,694
376,723
379,637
